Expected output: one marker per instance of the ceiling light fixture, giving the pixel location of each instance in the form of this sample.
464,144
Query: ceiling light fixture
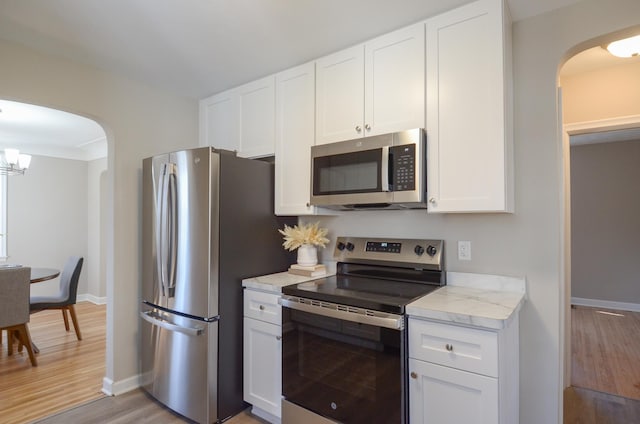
14,163
627,47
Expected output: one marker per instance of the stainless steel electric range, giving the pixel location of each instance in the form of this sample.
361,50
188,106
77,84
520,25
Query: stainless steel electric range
344,345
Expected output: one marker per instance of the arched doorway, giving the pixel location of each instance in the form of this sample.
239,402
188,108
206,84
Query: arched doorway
598,113
55,210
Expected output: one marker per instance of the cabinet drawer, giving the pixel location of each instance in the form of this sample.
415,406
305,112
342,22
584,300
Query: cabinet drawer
463,348
262,306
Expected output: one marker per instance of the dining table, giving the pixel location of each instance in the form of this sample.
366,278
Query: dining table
43,274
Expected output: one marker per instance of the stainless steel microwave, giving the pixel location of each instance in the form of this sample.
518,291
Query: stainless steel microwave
379,172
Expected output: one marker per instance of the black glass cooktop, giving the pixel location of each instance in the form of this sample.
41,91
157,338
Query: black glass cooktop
363,292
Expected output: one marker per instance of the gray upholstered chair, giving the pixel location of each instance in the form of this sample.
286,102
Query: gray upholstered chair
14,307
66,297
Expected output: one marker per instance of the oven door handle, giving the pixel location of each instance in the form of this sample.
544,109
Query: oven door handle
379,319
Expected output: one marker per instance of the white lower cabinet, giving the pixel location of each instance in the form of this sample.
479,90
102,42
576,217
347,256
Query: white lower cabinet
446,395
262,361
461,375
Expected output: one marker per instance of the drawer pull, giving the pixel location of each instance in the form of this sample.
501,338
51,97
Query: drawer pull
414,375
262,307
449,347
278,337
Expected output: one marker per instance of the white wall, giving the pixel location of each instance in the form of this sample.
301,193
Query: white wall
56,211
605,221
139,121
47,217
96,234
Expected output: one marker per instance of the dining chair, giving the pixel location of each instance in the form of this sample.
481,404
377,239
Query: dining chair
14,308
66,297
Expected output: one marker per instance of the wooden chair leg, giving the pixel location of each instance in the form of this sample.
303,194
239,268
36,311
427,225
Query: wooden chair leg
9,342
25,339
74,318
66,319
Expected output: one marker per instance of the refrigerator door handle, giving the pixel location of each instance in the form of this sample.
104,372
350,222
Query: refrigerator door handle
155,319
166,229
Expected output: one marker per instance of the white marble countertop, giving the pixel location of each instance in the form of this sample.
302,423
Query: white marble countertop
275,282
480,300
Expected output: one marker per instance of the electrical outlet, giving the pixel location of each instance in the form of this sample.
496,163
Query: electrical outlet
464,250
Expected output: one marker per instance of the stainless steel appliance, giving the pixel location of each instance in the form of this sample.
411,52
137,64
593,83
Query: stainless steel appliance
208,223
344,354
379,172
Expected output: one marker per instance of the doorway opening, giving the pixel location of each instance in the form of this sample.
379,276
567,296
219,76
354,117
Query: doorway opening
55,210
601,117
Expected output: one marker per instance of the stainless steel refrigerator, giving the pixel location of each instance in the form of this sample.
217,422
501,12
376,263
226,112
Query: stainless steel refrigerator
208,222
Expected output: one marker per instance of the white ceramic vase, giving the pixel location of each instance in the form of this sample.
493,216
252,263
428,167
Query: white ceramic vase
307,255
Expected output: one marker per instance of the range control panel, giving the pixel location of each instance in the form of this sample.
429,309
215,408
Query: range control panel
420,253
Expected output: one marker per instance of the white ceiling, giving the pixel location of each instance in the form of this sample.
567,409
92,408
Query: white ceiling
200,47
42,131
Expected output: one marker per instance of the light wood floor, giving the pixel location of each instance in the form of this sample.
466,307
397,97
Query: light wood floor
69,371
133,407
605,367
606,351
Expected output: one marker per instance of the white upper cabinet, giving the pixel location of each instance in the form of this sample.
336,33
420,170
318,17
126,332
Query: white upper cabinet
373,88
340,96
295,112
469,135
256,102
218,121
241,119
394,81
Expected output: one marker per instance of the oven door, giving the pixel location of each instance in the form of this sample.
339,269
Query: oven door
343,369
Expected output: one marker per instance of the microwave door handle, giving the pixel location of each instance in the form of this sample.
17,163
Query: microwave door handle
384,169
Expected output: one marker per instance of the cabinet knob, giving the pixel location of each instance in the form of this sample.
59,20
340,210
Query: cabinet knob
432,200
367,127
278,337
262,307
308,204
414,375
358,129
449,347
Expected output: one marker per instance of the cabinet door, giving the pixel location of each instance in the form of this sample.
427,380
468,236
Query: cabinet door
468,136
440,394
295,109
394,81
340,96
219,121
256,102
263,365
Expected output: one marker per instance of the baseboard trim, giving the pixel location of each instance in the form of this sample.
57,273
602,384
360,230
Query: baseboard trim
111,388
265,415
606,304
91,298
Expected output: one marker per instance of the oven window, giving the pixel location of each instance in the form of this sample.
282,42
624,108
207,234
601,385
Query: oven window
345,371
357,172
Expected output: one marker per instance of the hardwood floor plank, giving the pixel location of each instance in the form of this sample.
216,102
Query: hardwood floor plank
133,407
584,406
606,351
69,371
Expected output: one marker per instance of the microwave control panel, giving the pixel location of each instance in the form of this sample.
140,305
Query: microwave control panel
403,167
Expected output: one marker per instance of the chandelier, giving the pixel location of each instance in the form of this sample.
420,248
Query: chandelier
14,163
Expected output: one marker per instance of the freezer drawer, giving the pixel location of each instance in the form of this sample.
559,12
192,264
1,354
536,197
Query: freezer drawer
179,363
